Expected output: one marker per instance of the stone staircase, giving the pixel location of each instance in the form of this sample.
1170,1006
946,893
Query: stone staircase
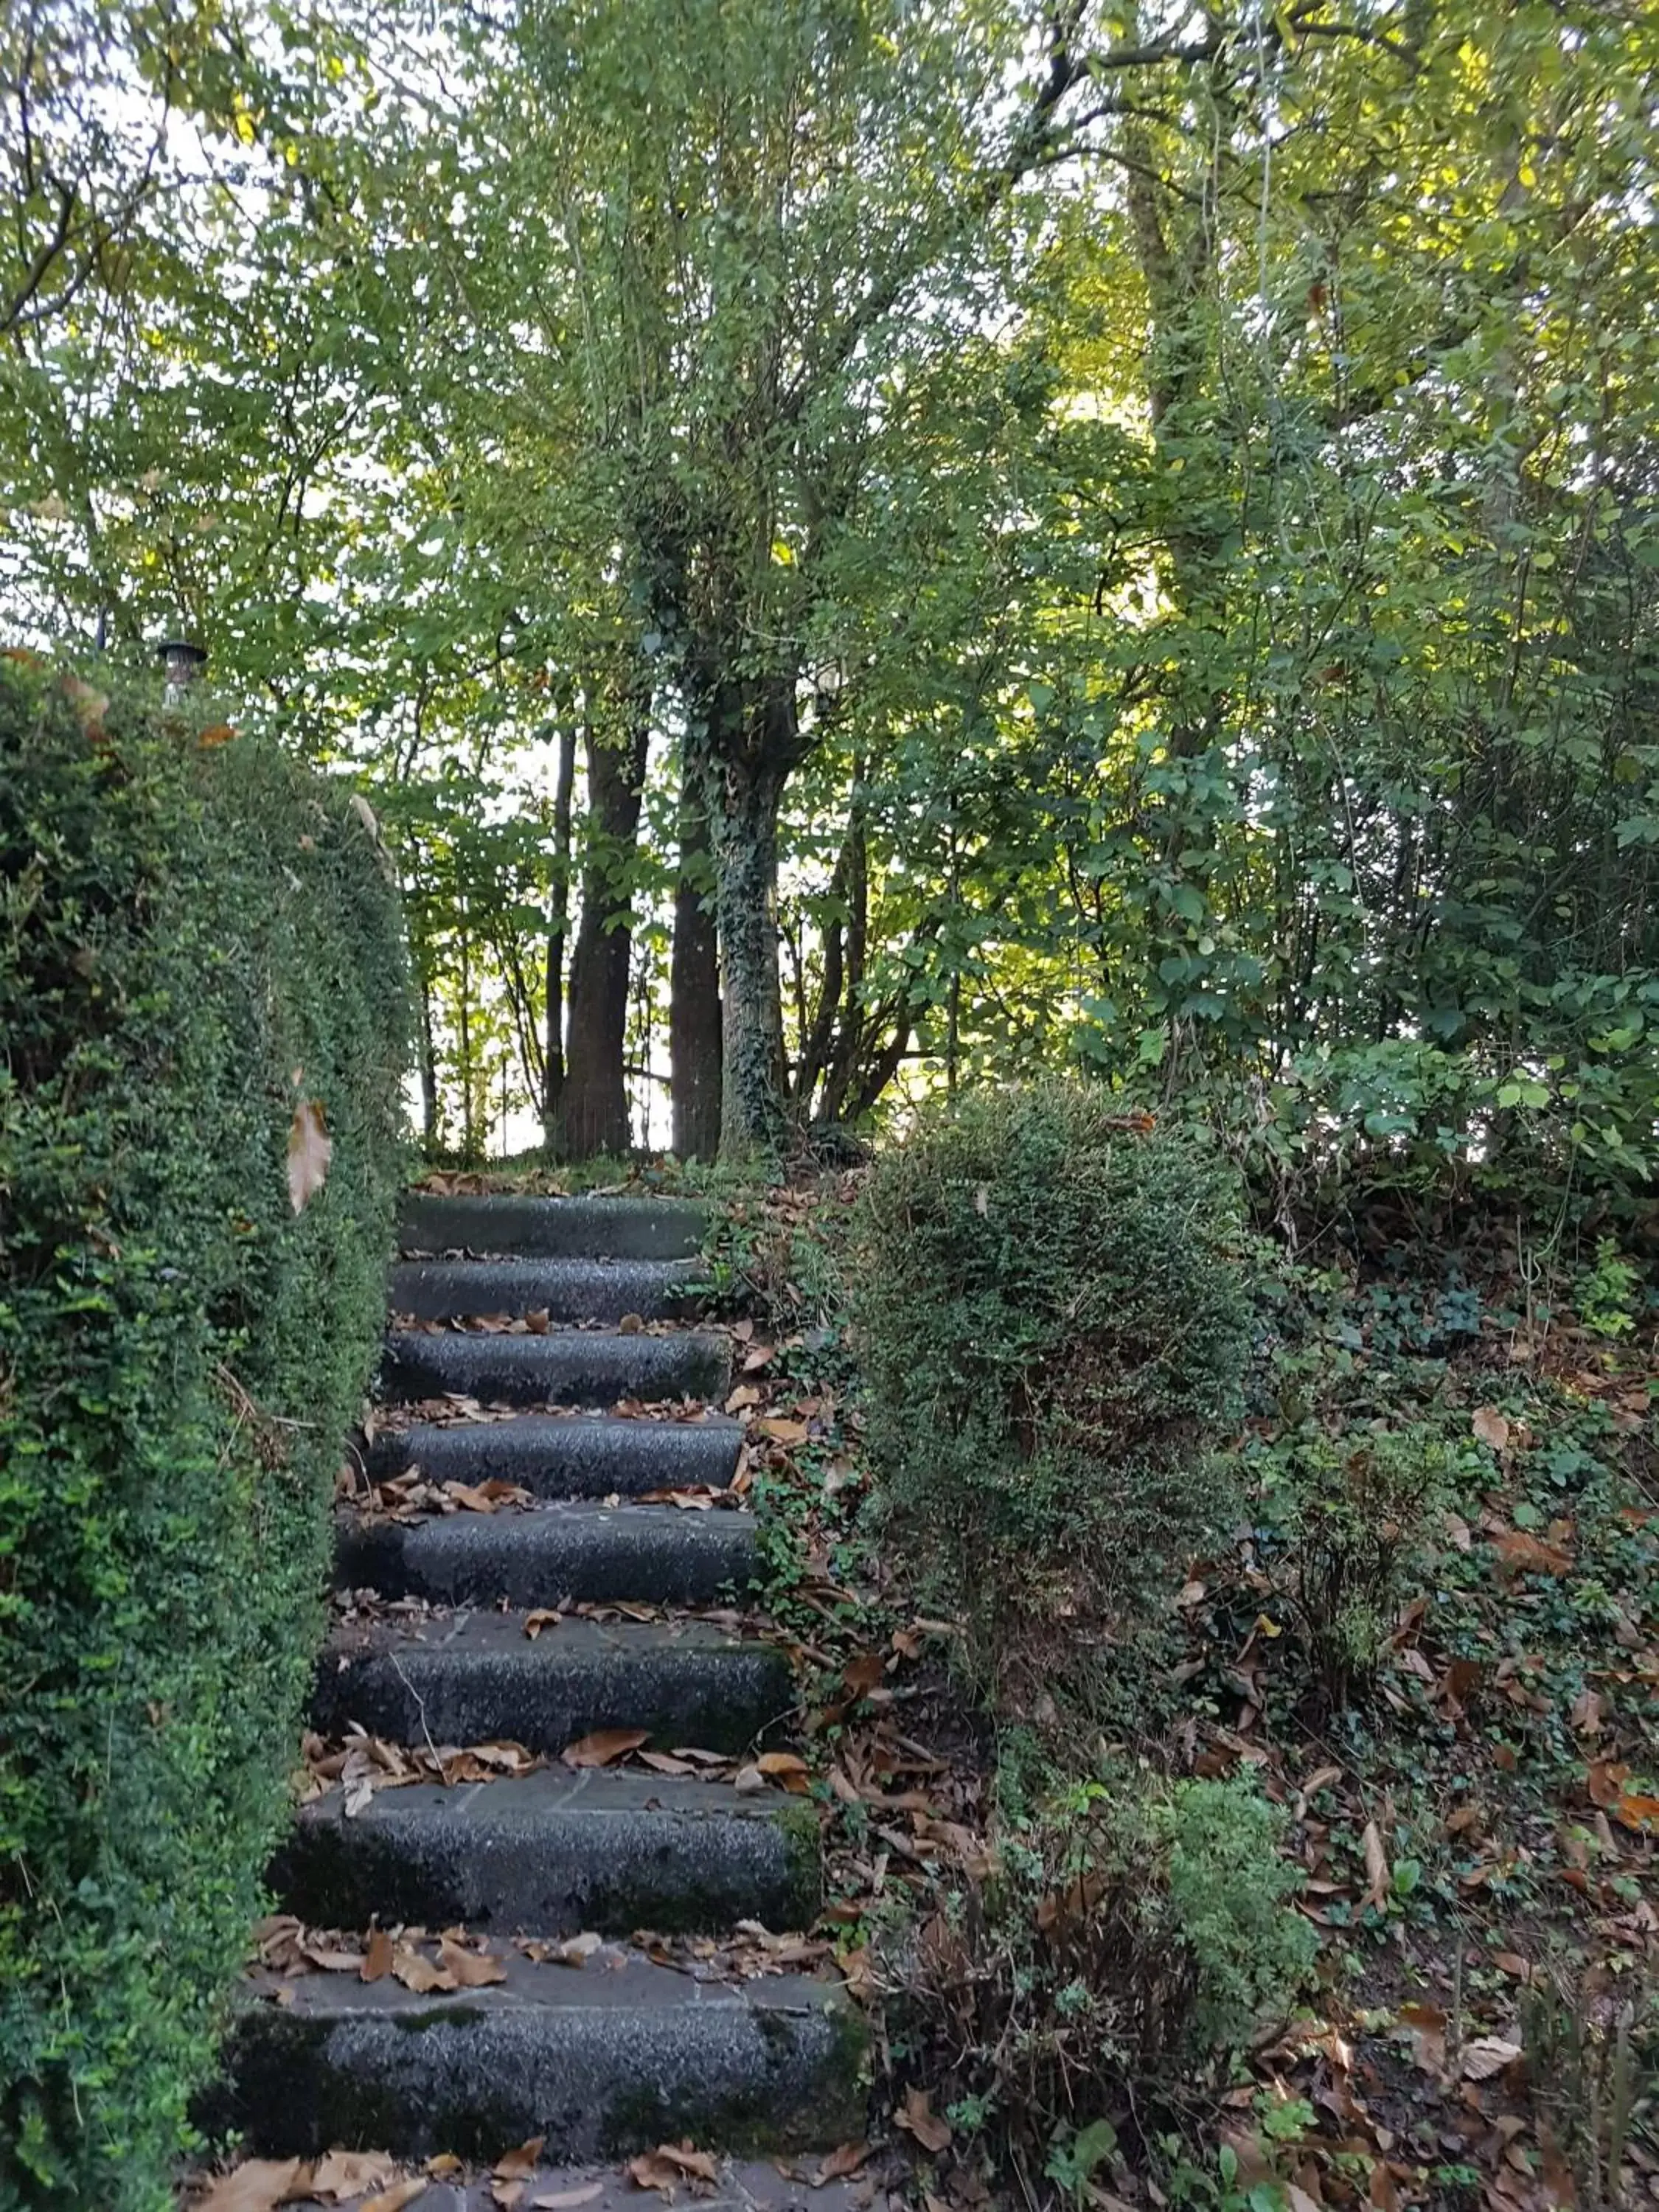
623,2051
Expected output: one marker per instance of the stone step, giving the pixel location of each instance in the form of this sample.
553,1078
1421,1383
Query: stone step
662,1554
563,1456
554,1228
473,1677
554,1853
564,1290
581,1367
610,2059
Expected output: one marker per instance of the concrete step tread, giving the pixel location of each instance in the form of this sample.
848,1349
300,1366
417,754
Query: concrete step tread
600,2061
567,1454
576,1228
742,2185
552,1549
566,1290
583,1367
480,1632
619,1980
526,1801
557,1853
473,1677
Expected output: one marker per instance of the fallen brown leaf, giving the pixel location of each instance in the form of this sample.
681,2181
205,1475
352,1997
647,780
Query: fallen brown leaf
310,1149
377,1959
350,2172
259,2184
566,2199
470,1969
519,2165
1376,1865
604,1746
399,2194
918,2119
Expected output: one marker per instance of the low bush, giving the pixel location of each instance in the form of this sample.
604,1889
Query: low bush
1054,1323
201,960
1130,1938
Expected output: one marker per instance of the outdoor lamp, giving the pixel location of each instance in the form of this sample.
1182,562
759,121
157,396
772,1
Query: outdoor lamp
182,661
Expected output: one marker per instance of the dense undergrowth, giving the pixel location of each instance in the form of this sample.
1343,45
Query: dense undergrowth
203,1022
1345,1896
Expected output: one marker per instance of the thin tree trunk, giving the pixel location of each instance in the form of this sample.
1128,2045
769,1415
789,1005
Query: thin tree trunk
429,1073
558,923
593,1118
694,1011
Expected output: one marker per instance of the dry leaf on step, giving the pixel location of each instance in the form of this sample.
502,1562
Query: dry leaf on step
418,1973
566,2199
519,2165
377,1959
310,1149
670,2164
349,2172
470,1970
399,2194
604,1747
259,2184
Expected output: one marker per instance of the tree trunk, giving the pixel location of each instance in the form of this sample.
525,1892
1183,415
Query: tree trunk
593,1116
745,842
694,1012
558,923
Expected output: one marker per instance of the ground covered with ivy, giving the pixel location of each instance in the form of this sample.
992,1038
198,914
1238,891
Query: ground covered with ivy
1427,1650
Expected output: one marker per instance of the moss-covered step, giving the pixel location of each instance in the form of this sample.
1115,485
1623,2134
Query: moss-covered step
602,2061
566,1456
563,1289
577,1367
555,1853
560,1228
473,1677
661,1554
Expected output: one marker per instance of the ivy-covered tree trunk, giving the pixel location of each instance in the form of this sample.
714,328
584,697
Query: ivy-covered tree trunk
694,1015
593,1113
748,742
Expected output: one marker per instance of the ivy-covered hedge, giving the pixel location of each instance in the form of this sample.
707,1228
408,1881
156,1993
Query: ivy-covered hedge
198,945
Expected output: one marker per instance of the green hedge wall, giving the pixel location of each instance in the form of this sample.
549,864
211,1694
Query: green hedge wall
195,941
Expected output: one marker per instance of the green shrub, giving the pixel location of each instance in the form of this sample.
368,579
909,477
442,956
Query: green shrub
1361,1512
196,944
1129,1940
1054,1325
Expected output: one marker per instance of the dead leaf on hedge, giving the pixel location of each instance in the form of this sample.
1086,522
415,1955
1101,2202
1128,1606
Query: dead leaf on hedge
604,1746
259,2184
89,706
217,733
918,2119
310,1149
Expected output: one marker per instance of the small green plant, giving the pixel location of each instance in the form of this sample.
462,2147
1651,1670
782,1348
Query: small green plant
1054,1323
1132,1935
1360,1510
1607,1296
